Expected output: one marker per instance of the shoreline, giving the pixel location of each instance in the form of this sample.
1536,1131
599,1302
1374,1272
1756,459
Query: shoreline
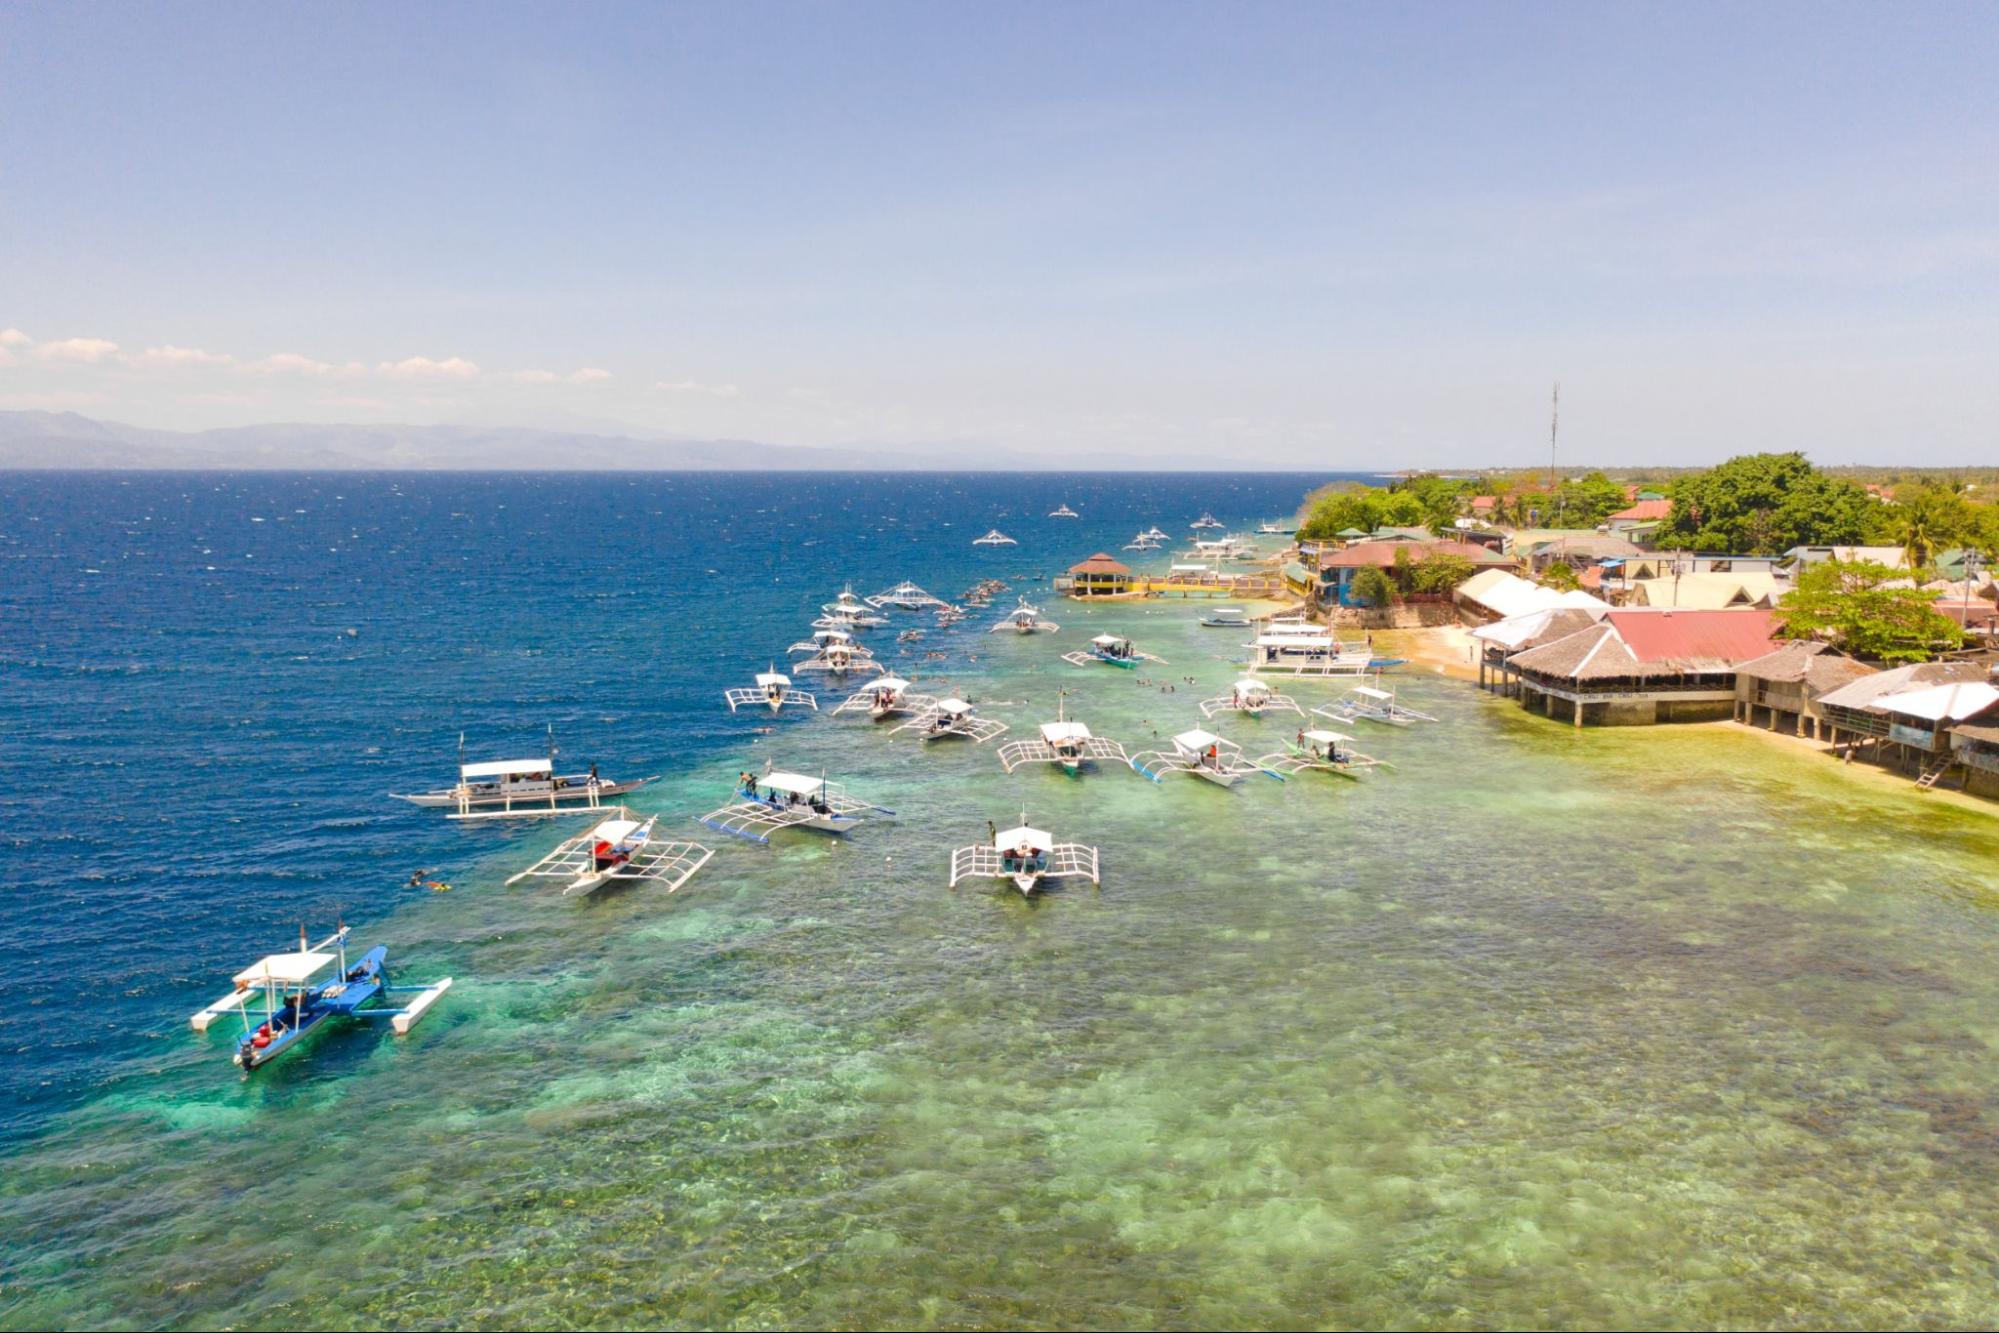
1450,651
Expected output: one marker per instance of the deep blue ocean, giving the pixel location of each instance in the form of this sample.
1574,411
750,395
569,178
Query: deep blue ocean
208,684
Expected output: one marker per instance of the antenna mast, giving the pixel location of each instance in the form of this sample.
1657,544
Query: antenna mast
1554,424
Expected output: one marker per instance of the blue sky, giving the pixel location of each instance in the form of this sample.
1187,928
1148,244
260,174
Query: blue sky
1313,234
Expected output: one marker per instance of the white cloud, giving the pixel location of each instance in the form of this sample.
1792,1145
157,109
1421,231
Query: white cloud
171,355
589,375
696,386
83,351
534,377
293,363
423,368
14,338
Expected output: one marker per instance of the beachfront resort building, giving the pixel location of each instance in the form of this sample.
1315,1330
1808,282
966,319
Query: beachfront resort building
1783,688
1099,576
1338,569
1644,666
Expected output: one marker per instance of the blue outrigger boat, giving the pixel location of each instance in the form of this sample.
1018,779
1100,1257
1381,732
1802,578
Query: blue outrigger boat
295,1006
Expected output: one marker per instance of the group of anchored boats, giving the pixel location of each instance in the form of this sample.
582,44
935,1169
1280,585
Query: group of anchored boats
285,997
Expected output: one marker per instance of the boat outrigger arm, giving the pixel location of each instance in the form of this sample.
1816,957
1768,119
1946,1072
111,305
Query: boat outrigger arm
295,1006
621,850
952,717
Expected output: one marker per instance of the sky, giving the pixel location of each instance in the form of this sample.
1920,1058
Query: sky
1320,235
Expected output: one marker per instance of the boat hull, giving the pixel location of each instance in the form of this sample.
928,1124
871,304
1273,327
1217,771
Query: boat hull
576,794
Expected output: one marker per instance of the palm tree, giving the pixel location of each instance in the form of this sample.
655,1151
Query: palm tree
1918,537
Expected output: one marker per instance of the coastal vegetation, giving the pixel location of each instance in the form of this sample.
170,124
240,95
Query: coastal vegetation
1867,610
1764,504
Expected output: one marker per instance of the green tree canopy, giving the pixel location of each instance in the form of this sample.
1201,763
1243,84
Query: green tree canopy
1928,519
1561,576
1850,604
1440,571
1335,509
1763,504
1373,587
1584,502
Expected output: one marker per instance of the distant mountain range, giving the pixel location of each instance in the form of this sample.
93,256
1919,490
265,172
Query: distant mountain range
45,441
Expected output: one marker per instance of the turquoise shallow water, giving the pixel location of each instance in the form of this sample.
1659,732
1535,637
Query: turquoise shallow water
1541,1028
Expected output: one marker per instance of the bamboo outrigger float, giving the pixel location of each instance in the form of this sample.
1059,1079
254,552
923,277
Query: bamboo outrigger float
1027,857
780,800
509,788
773,690
295,1006
621,850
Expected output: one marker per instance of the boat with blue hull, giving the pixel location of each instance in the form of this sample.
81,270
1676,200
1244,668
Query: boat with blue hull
295,1005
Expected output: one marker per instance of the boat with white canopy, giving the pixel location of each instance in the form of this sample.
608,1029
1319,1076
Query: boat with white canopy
621,850
1027,857
1114,649
1226,617
1025,619
953,717
834,653
1316,750
906,596
1203,754
506,788
1250,696
781,800
1300,648
1371,704
1204,521
885,697
994,538
1063,512
1065,742
1155,534
1144,541
1277,527
295,1005
773,691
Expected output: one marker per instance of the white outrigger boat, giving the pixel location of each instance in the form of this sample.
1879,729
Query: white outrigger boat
1064,512
906,596
1144,541
621,849
833,652
506,788
1226,617
1064,742
1205,755
1025,619
953,717
295,1005
1251,696
773,691
1300,648
1154,533
994,538
885,697
1029,857
849,621
1115,649
1373,705
1275,527
780,800
1204,521
1319,751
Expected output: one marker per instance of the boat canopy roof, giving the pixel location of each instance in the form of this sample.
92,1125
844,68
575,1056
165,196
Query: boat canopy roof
895,683
1325,737
1008,839
1320,639
502,767
616,830
1251,685
1197,739
796,783
1369,692
285,969
1108,638
1226,611
1055,732
954,707
1192,569
772,678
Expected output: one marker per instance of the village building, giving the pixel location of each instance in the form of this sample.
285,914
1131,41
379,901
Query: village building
1645,666
1705,592
1499,594
1800,558
1338,569
1787,684
1501,639
1580,549
1100,576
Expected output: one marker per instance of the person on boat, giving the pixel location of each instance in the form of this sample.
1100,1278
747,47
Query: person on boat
1214,756
593,775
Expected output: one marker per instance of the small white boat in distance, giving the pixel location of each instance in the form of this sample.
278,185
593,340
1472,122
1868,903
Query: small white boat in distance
781,800
994,538
885,697
1114,649
1226,617
622,849
1250,696
1316,750
1154,533
1372,704
1204,521
1205,755
1144,541
1276,527
1025,619
1064,742
1064,512
1029,857
505,788
773,690
953,717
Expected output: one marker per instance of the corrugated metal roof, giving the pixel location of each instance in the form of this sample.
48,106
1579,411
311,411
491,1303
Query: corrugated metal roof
1683,637
1868,691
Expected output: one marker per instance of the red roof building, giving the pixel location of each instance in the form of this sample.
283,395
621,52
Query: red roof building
1646,666
1643,511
